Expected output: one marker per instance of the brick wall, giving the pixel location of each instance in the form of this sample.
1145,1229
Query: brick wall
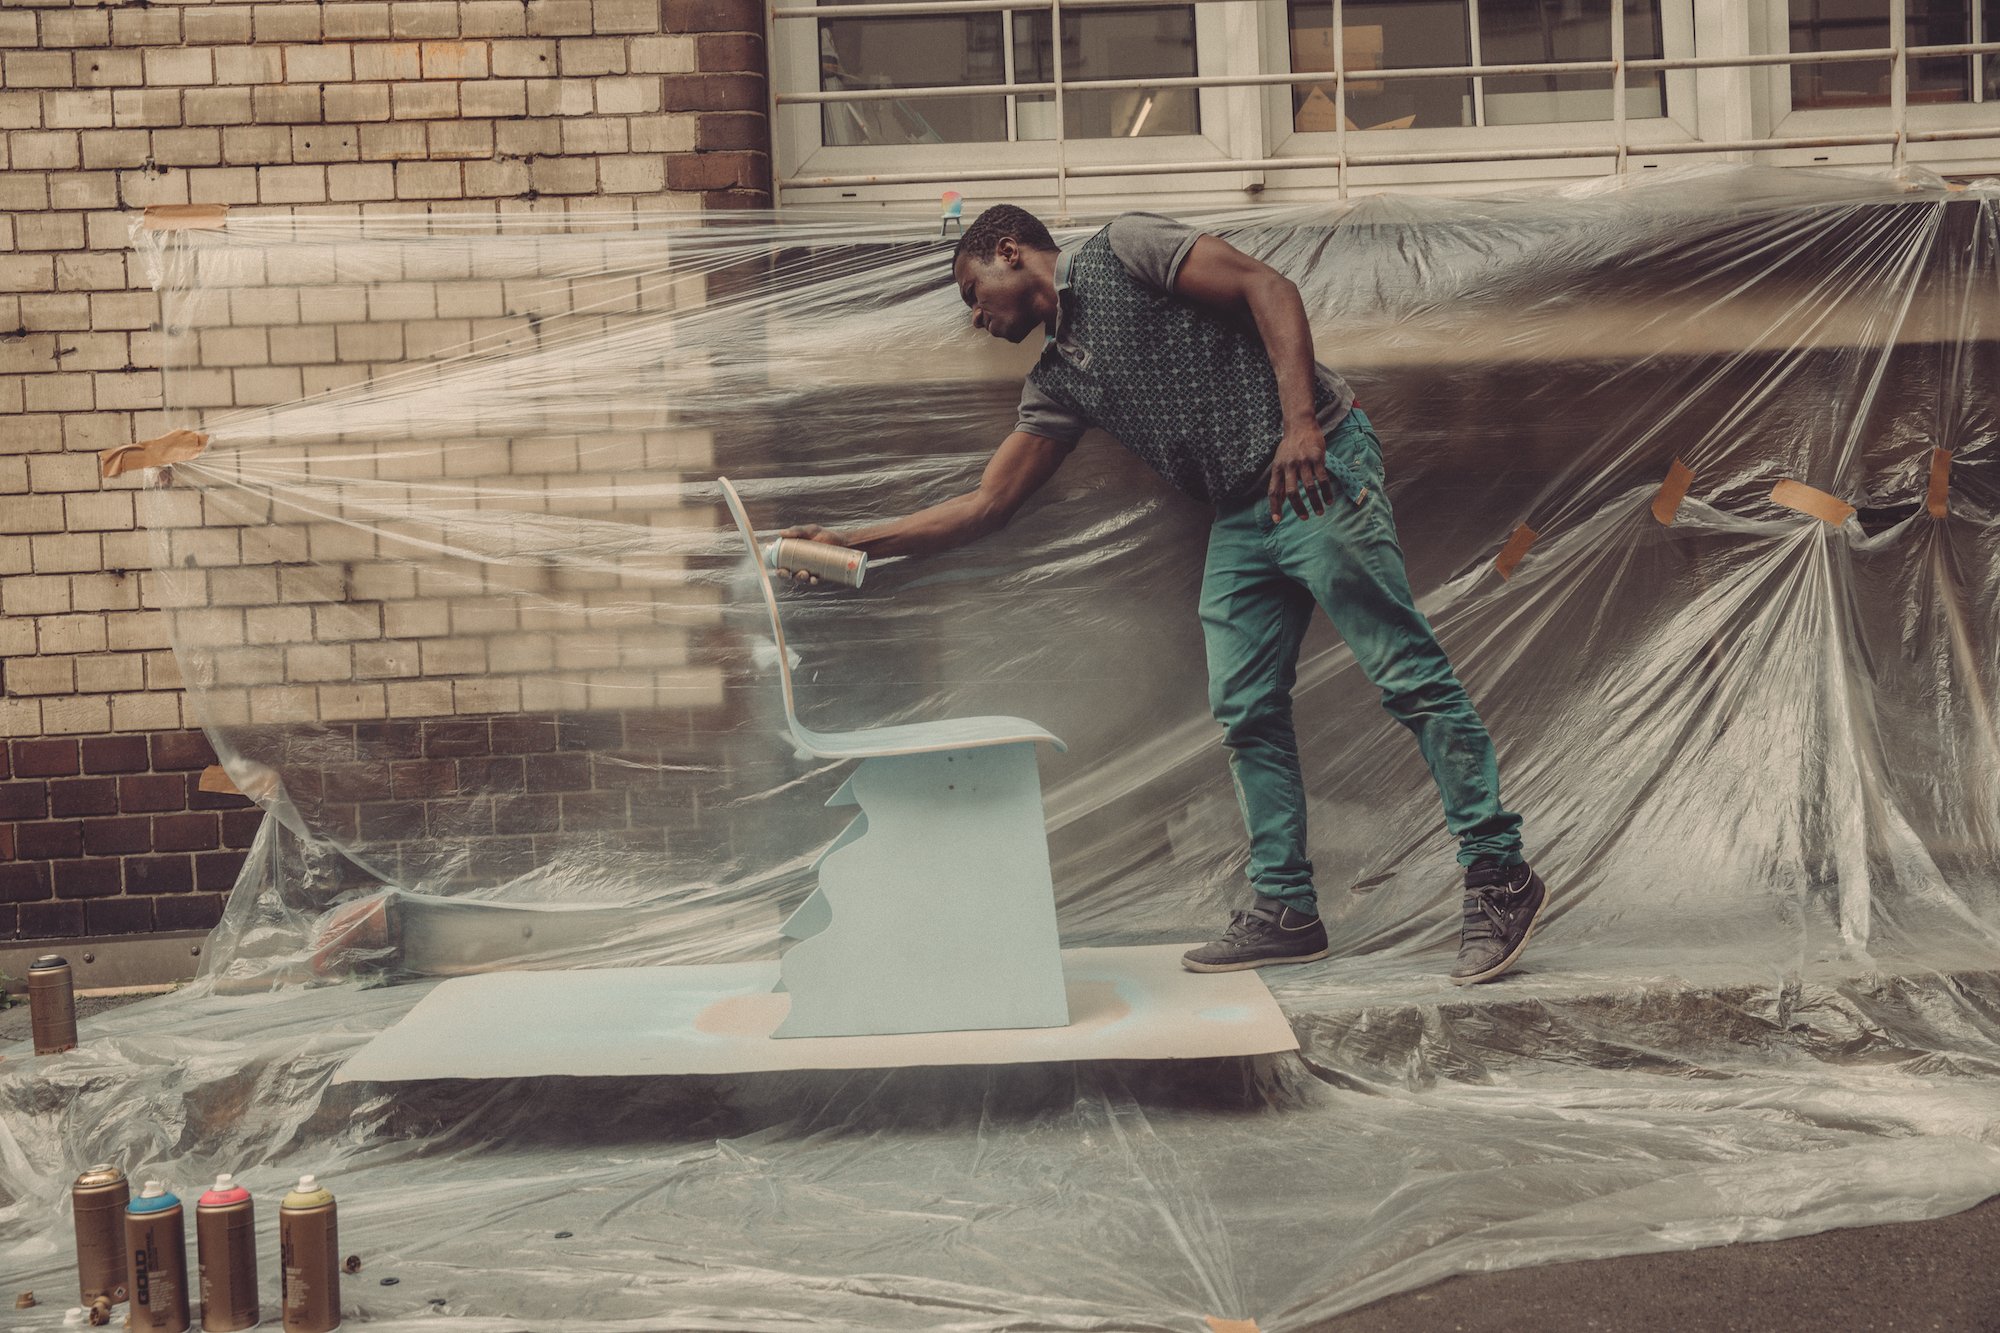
342,107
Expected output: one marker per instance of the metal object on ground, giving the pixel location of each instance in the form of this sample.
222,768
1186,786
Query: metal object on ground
156,1241
97,1202
225,1230
309,1251
836,564
52,1004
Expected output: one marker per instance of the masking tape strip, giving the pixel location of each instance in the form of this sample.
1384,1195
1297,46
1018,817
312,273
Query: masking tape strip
186,217
215,778
176,446
1231,1325
1516,547
1672,491
262,782
1936,500
1807,500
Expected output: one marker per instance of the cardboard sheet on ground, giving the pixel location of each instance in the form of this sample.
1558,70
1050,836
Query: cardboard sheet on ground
1125,1004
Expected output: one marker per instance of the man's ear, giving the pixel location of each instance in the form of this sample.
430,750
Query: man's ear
1008,252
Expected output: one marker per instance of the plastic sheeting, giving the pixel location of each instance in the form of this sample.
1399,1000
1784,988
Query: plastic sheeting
452,589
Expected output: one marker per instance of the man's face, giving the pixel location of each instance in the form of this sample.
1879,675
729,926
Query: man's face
999,291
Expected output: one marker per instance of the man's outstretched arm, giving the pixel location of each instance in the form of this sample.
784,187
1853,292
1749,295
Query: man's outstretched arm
1218,275
1016,471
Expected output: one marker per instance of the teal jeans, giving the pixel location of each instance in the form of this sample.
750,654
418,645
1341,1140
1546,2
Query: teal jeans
1257,594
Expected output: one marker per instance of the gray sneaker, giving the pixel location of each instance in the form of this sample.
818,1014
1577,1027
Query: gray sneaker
1501,906
1264,936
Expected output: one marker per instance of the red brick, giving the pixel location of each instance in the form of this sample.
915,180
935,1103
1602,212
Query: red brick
590,731
423,779
10,923
447,739
559,772
713,16
45,759
6,842
388,740
115,754
737,131
186,833
486,776
24,800
6,764
527,814
152,792
239,827
179,750
718,171
713,92
51,840
119,916
595,810
69,797
729,53
117,837
197,911
355,782
719,201
217,870
98,877
159,874
523,735
44,921
389,821
24,881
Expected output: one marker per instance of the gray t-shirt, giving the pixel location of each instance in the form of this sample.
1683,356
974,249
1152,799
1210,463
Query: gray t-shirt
1152,249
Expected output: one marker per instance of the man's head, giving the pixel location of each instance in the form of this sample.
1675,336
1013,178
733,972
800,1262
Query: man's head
1005,269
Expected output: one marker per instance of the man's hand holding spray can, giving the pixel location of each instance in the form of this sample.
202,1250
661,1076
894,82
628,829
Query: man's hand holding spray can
812,555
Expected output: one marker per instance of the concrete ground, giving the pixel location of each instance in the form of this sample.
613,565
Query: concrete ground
1941,1276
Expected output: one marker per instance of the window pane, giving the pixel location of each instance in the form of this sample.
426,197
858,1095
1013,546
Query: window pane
1524,32
1990,32
1851,25
1108,44
929,51
1411,34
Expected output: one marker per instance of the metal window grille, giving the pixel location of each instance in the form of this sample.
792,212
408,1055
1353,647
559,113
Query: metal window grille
1896,134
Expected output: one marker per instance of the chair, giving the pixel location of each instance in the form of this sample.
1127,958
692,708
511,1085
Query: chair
935,910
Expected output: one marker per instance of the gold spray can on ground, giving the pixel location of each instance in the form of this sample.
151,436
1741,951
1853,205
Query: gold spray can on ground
836,564
309,1251
156,1247
97,1201
51,1004
225,1232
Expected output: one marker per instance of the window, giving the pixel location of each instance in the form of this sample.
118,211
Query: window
1859,25
1421,34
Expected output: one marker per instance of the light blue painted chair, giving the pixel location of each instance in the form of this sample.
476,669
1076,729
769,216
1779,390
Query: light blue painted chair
935,910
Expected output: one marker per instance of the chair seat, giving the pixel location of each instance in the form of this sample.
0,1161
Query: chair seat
961,733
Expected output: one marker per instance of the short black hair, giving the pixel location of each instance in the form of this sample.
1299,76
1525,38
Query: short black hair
995,225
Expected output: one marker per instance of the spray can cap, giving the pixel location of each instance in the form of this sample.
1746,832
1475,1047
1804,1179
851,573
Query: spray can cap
224,1182
308,1183
75,1317
153,1189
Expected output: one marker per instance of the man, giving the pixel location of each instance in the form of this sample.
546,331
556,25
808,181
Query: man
1199,359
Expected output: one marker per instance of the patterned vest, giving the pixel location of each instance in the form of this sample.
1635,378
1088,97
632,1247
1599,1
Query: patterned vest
1191,393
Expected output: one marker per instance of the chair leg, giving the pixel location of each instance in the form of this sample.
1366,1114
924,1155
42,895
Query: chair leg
939,909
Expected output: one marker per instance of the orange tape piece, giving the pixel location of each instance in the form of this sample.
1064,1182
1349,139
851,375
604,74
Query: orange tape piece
215,778
186,217
176,446
1672,491
1232,1325
1935,500
1516,547
1808,500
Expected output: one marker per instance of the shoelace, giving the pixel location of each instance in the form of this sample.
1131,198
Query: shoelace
1485,919
1240,926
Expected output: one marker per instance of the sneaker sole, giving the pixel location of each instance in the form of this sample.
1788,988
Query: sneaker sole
1193,966
1500,968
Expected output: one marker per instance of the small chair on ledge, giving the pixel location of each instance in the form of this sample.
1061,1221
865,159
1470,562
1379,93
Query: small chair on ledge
935,910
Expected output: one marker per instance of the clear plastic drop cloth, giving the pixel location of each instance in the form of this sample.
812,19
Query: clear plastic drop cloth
454,592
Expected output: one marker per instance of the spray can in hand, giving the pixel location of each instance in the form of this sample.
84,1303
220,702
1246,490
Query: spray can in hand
309,1253
97,1203
835,564
156,1245
225,1233
51,1004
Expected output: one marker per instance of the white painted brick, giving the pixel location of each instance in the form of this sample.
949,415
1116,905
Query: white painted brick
129,391
217,106
20,110
267,385
104,592
110,69
429,180
326,143
70,634
37,69
115,148
357,101
583,56
287,22
79,714
77,111
83,189
145,712
43,150
81,272
632,96
146,27
486,694
57,393
319,661
560,97
531,59
136,629
163,671
184,65
216,25
488,18
108,673
558,18
285,703
17,28
455,60
423,101
663,55
257,145
346,703
595,134
423,18
290,105
224,185
145,106
400,142
328,63
632,175
57,473
187,148
386,660
345,22
419,698
291,185
46,674
461,139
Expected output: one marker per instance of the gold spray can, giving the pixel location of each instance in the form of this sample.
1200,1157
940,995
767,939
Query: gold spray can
156,1244
309,1254
97,1201
51,1004
835,564
225,1233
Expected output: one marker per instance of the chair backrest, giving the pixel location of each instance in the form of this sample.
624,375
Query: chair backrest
770,597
